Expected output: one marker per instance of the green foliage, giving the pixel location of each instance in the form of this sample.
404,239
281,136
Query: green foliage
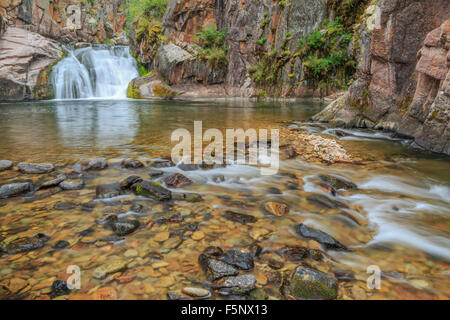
213,47
324,54
282,4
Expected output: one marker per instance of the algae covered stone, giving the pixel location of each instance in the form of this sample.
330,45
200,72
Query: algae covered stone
308,283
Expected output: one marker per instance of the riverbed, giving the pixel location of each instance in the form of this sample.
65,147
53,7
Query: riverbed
397,218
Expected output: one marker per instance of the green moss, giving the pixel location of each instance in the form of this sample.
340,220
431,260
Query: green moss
133,92
44,89
139,190
307,289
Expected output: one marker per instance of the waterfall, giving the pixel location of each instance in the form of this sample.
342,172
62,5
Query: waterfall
94,72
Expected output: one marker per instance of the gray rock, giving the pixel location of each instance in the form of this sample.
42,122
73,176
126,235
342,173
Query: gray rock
132,164
128,182
53,183
35,168
215,269
239,217
5,165
236,285
13,189
239,259
326,240
308,283
72,185
152,189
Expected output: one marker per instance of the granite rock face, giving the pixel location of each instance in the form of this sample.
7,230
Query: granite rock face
401,83
25,59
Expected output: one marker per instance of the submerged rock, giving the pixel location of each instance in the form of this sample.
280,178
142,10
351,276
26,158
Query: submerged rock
308,283
5,165
35,168
152,189
215,269
121,227
132,164
276,208
188,196
325,202
160,163
239,217
106,191
239,285
14,189
295,254
323,238
61,244
177,180
155,173
196,292
238,259
337,183
25,244
59,288
72,185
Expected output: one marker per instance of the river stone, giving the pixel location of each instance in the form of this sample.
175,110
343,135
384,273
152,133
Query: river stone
132,164
160,163
13,189
187,196
25,244
53,183
337,183
35,168
188,167
177,180
295,254
308,283
215,269
105,191
72,185
276,208
128,182
323,238
196,292
238,259
61,244
236,285
108,268
96,164
152,189
5,165
325,202
239,217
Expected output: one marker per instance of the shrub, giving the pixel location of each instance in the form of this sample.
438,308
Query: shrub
213,48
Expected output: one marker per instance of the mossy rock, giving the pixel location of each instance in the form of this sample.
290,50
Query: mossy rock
308,283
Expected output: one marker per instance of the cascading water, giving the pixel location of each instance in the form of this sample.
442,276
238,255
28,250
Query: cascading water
94,72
